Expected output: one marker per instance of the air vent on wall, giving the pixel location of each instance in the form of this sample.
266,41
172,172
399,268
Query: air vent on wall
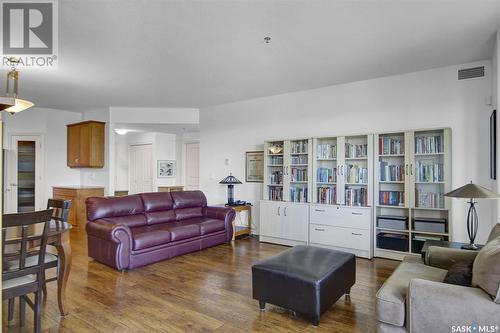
471,73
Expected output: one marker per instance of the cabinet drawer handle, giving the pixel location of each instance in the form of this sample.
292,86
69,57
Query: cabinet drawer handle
317,229
353,213
279,211
319,210
407,169
284,211
356,234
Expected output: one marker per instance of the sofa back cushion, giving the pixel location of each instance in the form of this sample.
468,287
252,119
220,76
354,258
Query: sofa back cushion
109,207
486,269
495,232
188,204
158,207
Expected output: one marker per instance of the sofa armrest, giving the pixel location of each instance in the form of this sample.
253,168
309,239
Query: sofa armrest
436,307
443,257
109,243
222,213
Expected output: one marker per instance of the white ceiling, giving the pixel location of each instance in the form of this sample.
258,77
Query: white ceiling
200,53
161,128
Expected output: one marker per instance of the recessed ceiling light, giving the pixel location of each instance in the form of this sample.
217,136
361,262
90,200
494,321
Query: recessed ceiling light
121,131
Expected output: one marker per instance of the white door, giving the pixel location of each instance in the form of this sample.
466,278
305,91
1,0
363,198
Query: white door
192,166
24,174
140,168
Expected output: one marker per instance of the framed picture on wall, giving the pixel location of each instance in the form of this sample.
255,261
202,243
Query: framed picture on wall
254,166
493,145
166,169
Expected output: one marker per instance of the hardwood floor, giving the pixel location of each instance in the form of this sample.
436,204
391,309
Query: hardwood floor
206,291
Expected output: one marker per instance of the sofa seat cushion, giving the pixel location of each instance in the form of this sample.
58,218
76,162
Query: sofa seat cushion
182,230
209,226
391,296
149,236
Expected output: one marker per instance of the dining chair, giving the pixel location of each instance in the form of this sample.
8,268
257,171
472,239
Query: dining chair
27,277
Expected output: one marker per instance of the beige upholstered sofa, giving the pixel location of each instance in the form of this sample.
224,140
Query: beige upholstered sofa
415,299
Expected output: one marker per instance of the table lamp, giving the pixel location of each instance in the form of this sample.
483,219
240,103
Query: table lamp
472,191
230,181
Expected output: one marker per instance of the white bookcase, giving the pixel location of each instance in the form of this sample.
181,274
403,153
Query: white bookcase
412,173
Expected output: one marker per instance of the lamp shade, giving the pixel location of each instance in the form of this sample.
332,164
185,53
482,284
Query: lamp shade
6,102
470,191
230,180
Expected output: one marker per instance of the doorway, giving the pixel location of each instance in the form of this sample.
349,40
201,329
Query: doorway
24,174
192,167
140,158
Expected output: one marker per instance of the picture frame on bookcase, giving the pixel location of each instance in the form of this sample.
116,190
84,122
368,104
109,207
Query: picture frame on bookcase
254,166
493,145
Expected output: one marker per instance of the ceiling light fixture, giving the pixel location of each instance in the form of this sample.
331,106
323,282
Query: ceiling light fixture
121,131
267,40
10,101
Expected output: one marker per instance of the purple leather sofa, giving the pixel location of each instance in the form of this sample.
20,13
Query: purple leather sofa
140,229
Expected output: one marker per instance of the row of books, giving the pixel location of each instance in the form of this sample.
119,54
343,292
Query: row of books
391,172
327,175
356,196
390,146
356,174
299,159
275,193
275,160
298,194
298,175
327,150
276,178
298,147
391,198
353,151
429,171
429,199
327,195
428,144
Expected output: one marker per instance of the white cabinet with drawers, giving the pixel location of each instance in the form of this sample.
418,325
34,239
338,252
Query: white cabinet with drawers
343,228
284,223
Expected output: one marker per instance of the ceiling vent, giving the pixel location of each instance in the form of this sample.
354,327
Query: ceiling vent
471,73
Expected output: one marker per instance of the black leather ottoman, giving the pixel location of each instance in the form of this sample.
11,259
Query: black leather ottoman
305,279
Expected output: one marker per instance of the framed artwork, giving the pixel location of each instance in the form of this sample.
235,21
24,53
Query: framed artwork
166,169
254,166
493,145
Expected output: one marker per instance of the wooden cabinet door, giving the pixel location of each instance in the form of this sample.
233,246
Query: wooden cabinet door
96,145
85,148
73,158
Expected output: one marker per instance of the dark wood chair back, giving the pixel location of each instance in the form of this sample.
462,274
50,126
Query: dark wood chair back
61,209
30,243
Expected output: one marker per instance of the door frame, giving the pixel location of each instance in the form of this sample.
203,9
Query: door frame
184,160
39,168
153,167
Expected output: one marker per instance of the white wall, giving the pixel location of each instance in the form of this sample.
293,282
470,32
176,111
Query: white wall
51,124
426,99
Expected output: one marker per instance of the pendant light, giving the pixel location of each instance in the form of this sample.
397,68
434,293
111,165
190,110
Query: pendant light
10,101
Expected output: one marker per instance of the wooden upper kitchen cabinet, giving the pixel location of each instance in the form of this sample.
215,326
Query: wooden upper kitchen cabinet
77,194
86,144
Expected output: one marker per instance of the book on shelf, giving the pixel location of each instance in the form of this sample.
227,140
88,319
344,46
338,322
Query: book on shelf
275,193
356,150
298,194
298,147
429,171
391,198
276,178
390,146
327,175
391,172
298,175
327,195
356,196
275,160
356,174
428,144
327,151
299,159
425,199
